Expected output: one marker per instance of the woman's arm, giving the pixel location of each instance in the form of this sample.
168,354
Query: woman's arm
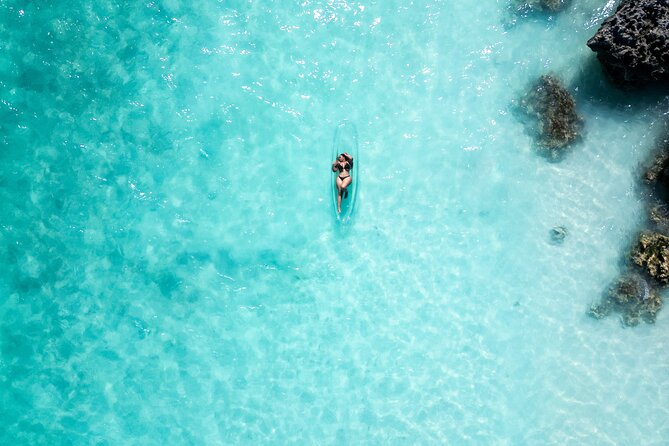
335,167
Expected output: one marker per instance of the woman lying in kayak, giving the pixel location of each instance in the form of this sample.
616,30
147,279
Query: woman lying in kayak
343,164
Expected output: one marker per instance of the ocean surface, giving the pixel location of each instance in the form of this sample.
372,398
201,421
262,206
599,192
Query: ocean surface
172,272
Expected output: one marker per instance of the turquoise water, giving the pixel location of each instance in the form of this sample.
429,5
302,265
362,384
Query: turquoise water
172,272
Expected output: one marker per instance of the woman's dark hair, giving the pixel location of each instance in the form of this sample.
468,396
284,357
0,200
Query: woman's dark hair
348,159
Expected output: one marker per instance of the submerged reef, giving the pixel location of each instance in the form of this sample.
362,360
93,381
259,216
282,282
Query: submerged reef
632,297
544,5
633,44
558,124
651,254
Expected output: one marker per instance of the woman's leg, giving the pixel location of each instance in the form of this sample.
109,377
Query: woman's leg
339,192
344,184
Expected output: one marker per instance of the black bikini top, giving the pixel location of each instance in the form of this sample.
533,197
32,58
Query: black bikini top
346,166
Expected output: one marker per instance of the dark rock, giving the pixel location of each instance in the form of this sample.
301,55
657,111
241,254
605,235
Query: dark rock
651,253
632,297
555,110
558,234
633,44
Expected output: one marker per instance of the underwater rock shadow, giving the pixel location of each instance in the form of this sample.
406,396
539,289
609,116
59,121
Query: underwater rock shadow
593,86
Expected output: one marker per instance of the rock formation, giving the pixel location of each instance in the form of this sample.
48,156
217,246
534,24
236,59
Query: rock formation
633,44
632,297
651,254
555,111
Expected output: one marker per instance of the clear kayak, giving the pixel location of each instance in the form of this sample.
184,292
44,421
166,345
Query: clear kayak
346,140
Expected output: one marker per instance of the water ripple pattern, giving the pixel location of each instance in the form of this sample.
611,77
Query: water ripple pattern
171,271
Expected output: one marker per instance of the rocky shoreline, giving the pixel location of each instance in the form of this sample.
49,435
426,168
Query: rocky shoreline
636,294
632,47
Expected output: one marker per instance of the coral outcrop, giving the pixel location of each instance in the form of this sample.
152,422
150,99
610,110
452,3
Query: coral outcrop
632,297
558,124
633,44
